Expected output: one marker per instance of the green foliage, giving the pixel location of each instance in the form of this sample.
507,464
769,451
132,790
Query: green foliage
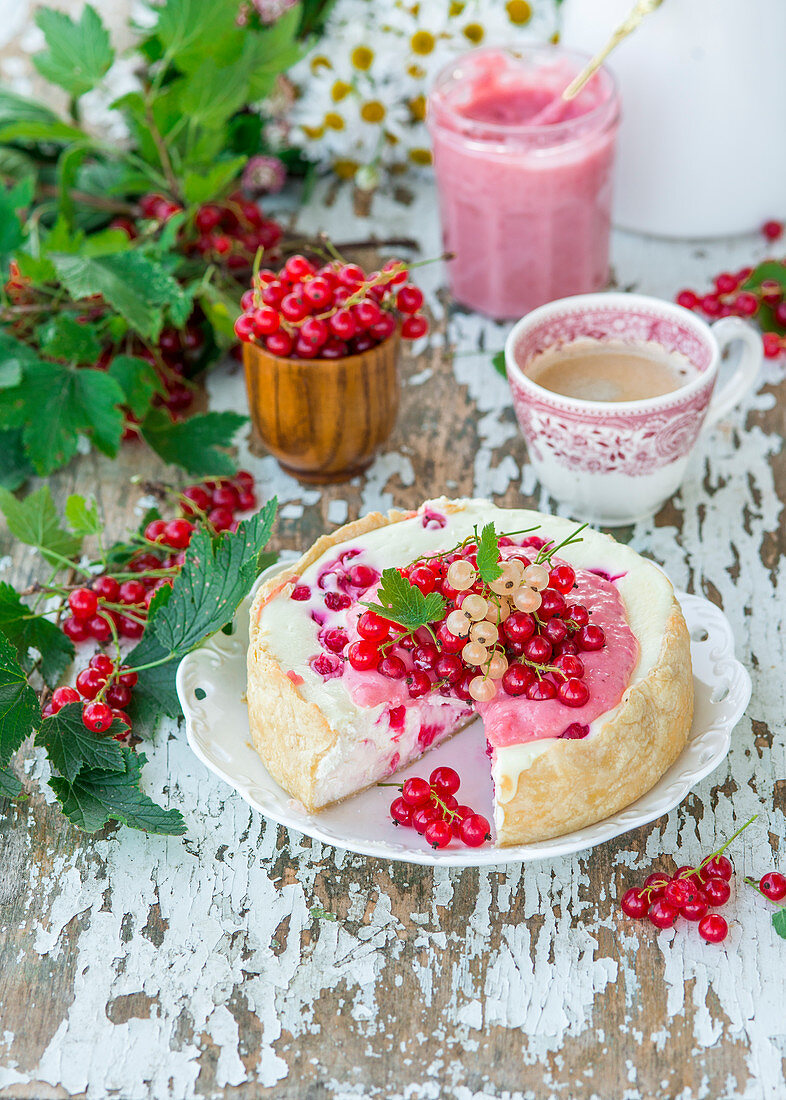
488,555
25,630
97,796
71,746
404,603
82,515
138,381
78,54
779,923
19,710
35,522
196,444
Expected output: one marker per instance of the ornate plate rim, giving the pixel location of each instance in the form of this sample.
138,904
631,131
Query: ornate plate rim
727,672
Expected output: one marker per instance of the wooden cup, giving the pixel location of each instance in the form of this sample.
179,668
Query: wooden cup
323,419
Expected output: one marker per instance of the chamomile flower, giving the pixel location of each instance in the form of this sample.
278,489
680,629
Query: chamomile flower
362,89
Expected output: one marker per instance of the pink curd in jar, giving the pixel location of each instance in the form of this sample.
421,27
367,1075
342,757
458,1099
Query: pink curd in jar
525,209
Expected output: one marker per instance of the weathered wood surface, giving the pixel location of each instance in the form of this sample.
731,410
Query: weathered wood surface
149,968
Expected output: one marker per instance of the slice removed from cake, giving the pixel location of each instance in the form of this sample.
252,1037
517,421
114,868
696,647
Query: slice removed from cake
579,668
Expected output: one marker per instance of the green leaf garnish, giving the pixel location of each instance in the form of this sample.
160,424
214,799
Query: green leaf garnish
72,746
97,796
779,923
488,555
498,363
19,709
82,515
404,603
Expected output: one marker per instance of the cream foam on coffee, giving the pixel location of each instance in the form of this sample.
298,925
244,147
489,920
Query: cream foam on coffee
608,370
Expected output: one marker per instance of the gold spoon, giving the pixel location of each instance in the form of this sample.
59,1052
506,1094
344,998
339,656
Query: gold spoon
552,111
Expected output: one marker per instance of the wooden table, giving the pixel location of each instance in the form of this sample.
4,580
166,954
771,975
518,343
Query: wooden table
246,961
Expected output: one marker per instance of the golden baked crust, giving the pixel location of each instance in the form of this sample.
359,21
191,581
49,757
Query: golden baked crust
570,784
574,783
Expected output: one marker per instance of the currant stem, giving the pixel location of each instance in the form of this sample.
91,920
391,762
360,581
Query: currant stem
721,850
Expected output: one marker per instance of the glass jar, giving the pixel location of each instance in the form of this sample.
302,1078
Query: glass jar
525,209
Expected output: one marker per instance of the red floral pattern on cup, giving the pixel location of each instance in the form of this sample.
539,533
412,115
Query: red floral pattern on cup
596,439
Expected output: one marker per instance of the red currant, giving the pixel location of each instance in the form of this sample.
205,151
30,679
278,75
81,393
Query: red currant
635,904
538,649
413,327
129,678
363,656
89,682
132,593
265,321
363,576
318,292
679,892
335,640
98,627
373,627
83,603
541,690
103,663
746,304
552,604
130,628
591,637
688,299
342,324
519,627
656,884
418,683
474,830
445,780
563,578
661,914
293,307
425,656
438,834
118,695
517,679
570,665
449,642
449,668
106,588
221,519
713,928
207,218
178,533
772,345
350,275
244,328
401,812
573,692
226,496
773,884
717,891
415,791
423,578
719,867
97,717
422,816
298,267
155,529
75,629
772,230
392,667
409,299
63,695
696,909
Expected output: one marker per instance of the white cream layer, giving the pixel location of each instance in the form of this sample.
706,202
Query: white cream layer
363,750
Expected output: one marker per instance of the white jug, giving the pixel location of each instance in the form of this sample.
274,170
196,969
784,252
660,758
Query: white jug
701,150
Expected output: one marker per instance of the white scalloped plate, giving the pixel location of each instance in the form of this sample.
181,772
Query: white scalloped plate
211,682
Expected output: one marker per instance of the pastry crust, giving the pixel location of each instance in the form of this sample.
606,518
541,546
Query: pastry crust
574,783
568,785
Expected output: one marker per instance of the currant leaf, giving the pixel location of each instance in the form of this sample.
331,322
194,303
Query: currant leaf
779,923
194,444
216,575
35,522
54,404
25,631
78,54
20,713
71,746
10,787
64,338
133,284
97,796
15,467
138,381
404,603
82,515
488,555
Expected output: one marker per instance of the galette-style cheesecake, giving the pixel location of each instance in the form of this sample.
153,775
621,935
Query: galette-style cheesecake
389,635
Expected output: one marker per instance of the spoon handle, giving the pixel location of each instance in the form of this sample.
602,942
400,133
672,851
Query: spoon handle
639,10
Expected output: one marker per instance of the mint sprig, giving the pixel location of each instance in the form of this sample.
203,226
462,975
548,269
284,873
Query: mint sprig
405,604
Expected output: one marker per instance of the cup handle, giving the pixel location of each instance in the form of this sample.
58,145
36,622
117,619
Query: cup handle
728,331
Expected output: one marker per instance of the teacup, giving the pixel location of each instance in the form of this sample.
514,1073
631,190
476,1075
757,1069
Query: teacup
613,463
